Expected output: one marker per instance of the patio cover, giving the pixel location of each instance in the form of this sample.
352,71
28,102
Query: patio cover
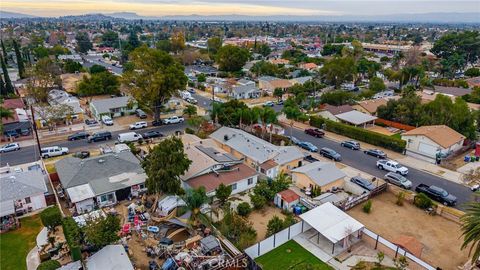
331,222
7,208
356,117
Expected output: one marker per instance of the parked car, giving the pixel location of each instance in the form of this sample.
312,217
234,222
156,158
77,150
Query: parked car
398,180
192,100
9,147
138,125
293,140
173,120
107,120
100,136
351,144
78,136
364,183
280,102
392,166
157,123
437,193
309,146
376,153
82,154
140,113
25,131
152,134
269,104
315,132
53,151
330,153
129,137
191,90
11,134
90,122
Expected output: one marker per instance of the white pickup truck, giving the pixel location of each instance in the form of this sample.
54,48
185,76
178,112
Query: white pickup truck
392,166
173,120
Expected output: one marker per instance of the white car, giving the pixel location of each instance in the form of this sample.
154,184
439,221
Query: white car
173,120
392,166
269,104
10,147
107,120
53,151
129,137
138,125
192,100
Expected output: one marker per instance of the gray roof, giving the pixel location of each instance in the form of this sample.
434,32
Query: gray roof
216,155
19,185
104,105
244,81
454,91
267,78
302,80
243,89
288,154
104,173
322,173
111,257
356,117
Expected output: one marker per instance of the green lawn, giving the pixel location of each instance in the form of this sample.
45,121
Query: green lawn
290,256
15,245
397,136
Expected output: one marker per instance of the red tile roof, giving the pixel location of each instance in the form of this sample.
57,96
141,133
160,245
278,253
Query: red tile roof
212,180
289,195
267,165
14,103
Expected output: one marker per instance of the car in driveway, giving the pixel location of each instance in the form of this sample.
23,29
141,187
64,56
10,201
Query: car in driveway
376,153
11,134
107,120
9,147
152,134
91,122
191,90
78,136
364,183
398,180
140,114
308,146
138,125
192,101
330,153
280,102
354,145
82,154
315,132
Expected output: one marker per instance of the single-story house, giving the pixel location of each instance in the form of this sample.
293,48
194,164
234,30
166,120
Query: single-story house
432,142
19,120
245,82
324,175
280,61
329,111
286,199
356,118
245,92
269,83
100,181
370,106
452,91
308,66
301,80
113,107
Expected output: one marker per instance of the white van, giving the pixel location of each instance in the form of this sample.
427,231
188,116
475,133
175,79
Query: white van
129,137
53,151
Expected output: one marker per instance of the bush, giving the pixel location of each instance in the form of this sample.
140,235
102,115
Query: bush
258,201
400,198
244,209
395,144
49,265
73,237
422,201
189,131
367,207
51,217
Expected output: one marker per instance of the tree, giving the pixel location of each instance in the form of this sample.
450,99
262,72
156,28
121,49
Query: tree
223,192
49,265
99,84
472,72
194,199
380,258
213,45
163,166
244,209
267,116
263,49
3,89
164,45
102,231
265,68
258,201
238,230
338,70
195,122
190,110
20,64
278,92
154,78
201,78
44,76
97,69
336,98
178,42
232,58
401,263
275,224
464,45
8,83
53,115
376,85
471,229
330,49
83,42
4,51
110,39
71,66
51,217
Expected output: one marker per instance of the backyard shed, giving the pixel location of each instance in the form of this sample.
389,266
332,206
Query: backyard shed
286,199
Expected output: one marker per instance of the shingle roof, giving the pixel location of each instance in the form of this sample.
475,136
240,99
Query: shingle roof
289,195
322,173
212,180
104,105
372,105
15,186
441,134
337,109
241,89
355,117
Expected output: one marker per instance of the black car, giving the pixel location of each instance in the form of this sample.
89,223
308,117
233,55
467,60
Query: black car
100,136
330,153
89,122
364,183
82,154
152,134
157,123
78,136
376,153
351,144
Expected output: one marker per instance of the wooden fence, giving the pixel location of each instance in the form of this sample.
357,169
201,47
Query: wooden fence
348,204
394,124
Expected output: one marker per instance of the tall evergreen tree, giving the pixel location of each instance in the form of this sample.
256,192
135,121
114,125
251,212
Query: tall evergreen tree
4,51
21,66
8,83
3,90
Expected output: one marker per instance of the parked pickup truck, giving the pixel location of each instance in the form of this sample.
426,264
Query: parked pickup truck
173,120
392,166
438,194
315,132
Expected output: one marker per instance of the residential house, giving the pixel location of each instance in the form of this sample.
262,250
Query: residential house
212,166
308,66
100,181
59,97
370,106
269,83
329,111
301,80
245,92
323,175
356,118
195,70
432,142
113,107
451,91
259,154
19,121
279,61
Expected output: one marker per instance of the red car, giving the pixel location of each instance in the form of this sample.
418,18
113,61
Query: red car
314,132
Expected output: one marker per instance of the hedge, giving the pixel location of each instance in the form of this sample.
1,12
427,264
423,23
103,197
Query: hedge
360,134
49,265
72,235
51,217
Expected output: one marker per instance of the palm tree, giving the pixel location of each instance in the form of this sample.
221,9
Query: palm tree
267,116
471,229
195,198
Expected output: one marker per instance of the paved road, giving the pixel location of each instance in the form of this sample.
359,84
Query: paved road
30,153
363,162
90,60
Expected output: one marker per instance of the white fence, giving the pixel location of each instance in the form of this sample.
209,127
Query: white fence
397,249
276,240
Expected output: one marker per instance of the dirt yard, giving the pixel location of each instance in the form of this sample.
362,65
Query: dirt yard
260,219
440,237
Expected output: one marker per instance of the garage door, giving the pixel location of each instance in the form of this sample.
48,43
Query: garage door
427,149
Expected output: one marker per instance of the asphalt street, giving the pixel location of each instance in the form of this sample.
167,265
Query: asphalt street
90,60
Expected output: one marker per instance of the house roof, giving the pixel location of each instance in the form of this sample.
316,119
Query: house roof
14,103
213,179
472,82
322,173
289,195
104,105
409,243
331,222
287,154
356,117
281,83
372,105
267,165
301,80
103,173
19,185
337,109
453,91
111,257
308,65
242,89
441,134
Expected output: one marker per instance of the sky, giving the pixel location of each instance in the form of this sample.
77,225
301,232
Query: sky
244,7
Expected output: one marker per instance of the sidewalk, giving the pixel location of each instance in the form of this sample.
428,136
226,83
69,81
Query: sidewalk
421,165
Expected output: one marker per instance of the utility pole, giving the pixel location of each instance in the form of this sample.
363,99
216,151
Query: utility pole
36,131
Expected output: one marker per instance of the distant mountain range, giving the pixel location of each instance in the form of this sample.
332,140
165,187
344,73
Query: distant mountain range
400,18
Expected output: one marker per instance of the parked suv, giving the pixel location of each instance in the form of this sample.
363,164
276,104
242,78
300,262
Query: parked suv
138,125
100,136
78,136
351,144
330,153
53,151
140,113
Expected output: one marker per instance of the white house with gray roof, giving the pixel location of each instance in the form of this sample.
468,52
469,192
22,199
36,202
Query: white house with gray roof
100,181
113,107
324,175
246,91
